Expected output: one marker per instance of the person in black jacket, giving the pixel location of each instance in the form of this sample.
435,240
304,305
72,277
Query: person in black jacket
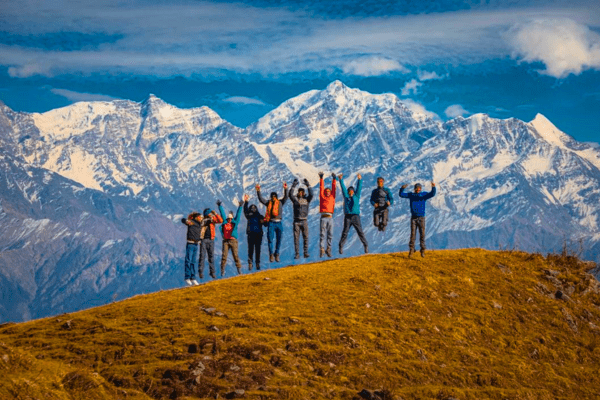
194,225
254,232
301,202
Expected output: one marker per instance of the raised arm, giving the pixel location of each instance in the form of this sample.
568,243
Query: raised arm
333,179
285,194
309,189
221,210
343,186
321,185
359,185
291,193
238,215
402,193
260,198
432,193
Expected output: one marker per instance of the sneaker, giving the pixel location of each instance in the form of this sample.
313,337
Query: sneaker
341,250
306,255
297,257
328,252
239,270
189,282
258,267
222,273
366,249
423,253
212,275
250,266
271,257
195,282
277,257
410,253
321,253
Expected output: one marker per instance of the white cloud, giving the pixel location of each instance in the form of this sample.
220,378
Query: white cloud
455,110
373,66
244,100
429,76
419,109
411,86
207,39
563,45
82,96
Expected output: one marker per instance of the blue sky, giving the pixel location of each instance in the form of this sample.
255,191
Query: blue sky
506,58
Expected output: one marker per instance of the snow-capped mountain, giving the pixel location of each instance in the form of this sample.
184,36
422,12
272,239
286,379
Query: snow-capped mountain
92,193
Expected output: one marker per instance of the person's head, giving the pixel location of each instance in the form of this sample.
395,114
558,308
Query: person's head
351,191
418,188
230,216
380,182
300,192
206,212
253,208
273,195
327,192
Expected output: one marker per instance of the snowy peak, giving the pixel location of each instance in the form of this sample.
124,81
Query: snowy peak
548,131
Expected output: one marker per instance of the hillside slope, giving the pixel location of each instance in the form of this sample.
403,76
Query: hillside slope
463,324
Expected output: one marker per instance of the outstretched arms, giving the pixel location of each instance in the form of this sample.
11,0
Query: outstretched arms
260,198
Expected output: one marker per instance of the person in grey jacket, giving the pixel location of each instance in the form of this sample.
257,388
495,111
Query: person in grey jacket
381,199
301,203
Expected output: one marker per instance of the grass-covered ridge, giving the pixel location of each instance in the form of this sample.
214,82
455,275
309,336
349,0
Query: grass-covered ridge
467,324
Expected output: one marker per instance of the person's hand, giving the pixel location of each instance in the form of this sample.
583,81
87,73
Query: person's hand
219,202
333,175
359,176
321,175
387,202
241,203
305,181
340,176
183,220
285,185
404,186
246,197
295,182
432,184
257,187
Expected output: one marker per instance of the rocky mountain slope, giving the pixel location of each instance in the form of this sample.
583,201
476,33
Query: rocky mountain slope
92,193
462,324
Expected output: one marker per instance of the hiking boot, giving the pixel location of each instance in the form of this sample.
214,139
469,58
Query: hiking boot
249,265
277,257
189,282
341,250
423,253
195,282
366,249
410,253
321,253
328,252
297,257
257,266
222,272
271,257
306,255
212,275
239,270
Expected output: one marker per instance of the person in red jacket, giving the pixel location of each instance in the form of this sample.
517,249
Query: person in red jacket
326,206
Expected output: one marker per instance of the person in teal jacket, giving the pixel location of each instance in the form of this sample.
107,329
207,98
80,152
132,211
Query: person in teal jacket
352,212
229,232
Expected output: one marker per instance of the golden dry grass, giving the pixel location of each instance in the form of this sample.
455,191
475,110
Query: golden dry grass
463,324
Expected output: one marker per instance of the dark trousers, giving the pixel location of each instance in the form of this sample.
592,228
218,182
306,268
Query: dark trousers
191,261
274,231
207,246
254,242
301,226
230,244
353,220
380,217
417,223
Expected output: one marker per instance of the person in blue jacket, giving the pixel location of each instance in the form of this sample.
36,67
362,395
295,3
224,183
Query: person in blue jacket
381,199
417,214
229,232
352,212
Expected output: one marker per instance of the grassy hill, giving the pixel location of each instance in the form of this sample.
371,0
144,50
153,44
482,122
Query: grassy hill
464,324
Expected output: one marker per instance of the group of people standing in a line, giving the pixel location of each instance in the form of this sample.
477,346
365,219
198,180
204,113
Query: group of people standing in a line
201,227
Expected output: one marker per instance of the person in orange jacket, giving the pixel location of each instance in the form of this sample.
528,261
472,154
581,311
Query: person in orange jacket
326,206
207,244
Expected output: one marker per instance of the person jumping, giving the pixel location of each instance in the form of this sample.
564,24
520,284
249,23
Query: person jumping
417,214
381,199
254,232
301,203
326,208
229,232
273,219
352,213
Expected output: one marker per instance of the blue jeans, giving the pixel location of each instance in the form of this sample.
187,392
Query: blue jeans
274,231
191,260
